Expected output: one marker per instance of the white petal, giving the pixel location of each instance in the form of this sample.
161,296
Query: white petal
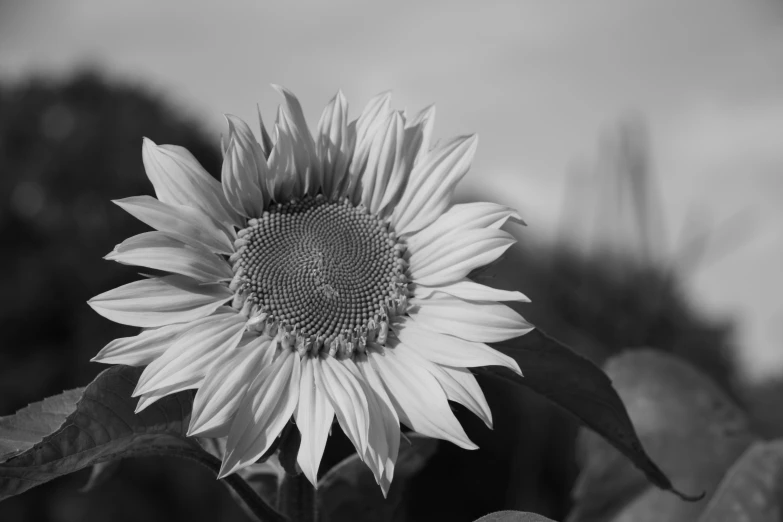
459,387
418,398
450,259
351,186
314,416
160,301
193,353
148,399
179,179
263,412
416,138
447,350
347,397
372,117
390,421
284,178
333,146
366,126
224,386
480,321
471,291
265,142
425,122
189,225
384,432
250,155
142,349
240,180
295,125
386,157
464,216
431,183
161,252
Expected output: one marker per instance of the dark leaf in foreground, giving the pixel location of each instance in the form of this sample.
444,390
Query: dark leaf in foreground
689,426
751,489
348,491
581,388
103,427
100,473
513,516
25,428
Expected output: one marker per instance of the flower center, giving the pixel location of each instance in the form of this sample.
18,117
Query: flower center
318,273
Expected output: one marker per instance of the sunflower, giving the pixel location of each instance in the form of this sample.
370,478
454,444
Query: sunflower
326,276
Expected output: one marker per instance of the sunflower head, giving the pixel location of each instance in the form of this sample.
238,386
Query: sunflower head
330,275
325,277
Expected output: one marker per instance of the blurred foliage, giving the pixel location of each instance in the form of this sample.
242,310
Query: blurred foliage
601,305
752,489
608,282
690,427
700,438
68,147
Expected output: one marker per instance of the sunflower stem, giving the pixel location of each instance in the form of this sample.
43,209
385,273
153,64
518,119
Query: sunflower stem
296,498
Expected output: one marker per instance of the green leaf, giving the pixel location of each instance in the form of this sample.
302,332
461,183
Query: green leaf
100,473
751,490
103,427
577,385
688,425
513,516
348,491
25,428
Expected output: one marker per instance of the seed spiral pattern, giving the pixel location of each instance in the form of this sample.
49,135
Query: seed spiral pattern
322,269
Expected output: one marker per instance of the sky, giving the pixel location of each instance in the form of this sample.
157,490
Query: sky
540,82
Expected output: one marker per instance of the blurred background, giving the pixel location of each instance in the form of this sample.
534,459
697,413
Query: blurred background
641,141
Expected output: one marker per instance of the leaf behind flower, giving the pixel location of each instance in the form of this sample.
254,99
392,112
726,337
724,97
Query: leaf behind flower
513,516
28,426
574,383
689,426
103,427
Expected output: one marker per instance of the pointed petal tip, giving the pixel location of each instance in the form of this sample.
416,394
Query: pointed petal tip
311,478
228,467
140,406
200,427
232,120
469,445
142,387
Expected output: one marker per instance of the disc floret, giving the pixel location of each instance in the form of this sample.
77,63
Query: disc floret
319,275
